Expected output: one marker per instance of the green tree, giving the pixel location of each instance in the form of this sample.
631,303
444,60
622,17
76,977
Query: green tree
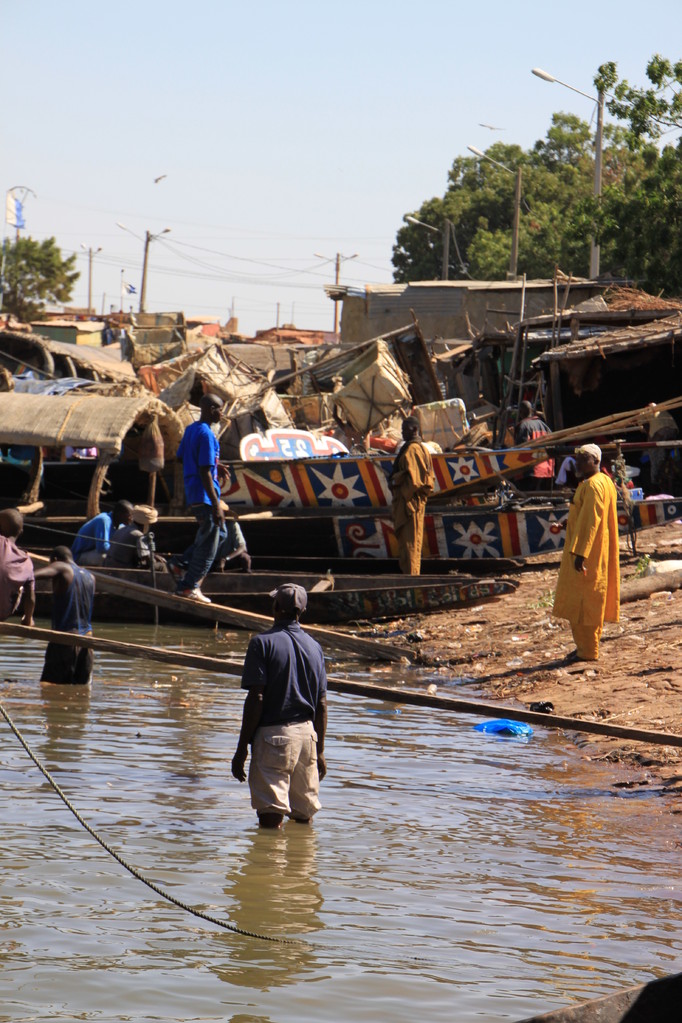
558,214
640,213
652,111
34,274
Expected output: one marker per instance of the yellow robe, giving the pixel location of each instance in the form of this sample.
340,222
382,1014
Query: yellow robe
411,484
589,599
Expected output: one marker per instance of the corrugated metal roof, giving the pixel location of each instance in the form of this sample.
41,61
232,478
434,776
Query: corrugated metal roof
644,335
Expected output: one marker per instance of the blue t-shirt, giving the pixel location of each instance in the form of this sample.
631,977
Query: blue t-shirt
93,535
290,665
198,448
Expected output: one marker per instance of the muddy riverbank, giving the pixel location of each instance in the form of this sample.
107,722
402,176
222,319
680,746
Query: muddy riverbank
511,651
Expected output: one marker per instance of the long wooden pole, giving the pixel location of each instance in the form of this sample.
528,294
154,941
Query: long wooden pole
369,690
242,619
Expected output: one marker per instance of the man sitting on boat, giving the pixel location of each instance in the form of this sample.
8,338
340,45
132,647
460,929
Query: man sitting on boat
93,539
411,481
284,718
16,569
199,450
73,594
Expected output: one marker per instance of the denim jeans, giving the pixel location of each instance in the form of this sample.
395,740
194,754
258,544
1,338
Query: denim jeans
199,557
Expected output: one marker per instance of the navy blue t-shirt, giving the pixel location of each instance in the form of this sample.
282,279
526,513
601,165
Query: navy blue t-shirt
290,665
72,611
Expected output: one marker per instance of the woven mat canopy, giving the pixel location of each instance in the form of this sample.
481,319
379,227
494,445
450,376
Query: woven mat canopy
82,420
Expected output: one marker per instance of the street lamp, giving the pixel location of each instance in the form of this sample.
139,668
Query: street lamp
91,253
338,259
148,239
598,145
514,259
446,240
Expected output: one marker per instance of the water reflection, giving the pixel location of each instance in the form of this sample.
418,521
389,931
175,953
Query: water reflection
448,876
65,710
273,890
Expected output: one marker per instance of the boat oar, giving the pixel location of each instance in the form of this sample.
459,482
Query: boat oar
243,619
369,690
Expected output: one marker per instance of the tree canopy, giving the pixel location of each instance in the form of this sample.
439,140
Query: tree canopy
637,221
34,274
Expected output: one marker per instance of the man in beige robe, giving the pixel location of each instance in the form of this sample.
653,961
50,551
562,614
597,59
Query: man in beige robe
588,588
411,482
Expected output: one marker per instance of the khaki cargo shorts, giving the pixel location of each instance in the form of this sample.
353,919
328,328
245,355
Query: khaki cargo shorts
283,774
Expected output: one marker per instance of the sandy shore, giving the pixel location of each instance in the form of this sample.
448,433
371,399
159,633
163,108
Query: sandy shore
509,650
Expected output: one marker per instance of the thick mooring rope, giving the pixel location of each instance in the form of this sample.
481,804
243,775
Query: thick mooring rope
132,870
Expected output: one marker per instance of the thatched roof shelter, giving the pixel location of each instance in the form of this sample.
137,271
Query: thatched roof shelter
82,420
47,358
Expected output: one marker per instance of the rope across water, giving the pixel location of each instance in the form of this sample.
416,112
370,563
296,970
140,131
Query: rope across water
132,870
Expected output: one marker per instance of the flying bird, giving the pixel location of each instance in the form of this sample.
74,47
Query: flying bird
160,178
490,126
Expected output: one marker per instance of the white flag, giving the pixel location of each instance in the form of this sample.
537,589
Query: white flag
14,211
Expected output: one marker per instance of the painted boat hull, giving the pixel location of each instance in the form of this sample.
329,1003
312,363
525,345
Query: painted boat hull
353,597
492,533
358,482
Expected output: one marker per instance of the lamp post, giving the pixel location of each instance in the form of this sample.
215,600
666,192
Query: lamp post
91,254
148,239
598,147
447,226
337,262
514,258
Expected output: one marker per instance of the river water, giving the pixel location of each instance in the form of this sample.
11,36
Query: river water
450,875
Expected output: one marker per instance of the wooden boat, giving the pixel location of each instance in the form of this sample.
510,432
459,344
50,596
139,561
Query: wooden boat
359,482
513,531
656,1002
352,598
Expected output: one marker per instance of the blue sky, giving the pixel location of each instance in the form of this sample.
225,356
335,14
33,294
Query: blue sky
285,129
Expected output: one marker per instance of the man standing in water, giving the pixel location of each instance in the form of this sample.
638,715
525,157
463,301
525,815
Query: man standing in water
284,717
199,450
588,588
411,482
73,592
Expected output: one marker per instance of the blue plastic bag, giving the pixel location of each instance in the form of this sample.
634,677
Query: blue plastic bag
503,726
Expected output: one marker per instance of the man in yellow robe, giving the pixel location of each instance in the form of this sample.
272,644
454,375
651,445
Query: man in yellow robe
411,482
588,588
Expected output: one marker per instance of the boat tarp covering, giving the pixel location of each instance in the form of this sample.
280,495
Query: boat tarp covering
82,420
444,422
373,388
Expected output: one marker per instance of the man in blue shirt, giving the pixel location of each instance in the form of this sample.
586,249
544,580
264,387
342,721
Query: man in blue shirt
199,451
284,717
93,539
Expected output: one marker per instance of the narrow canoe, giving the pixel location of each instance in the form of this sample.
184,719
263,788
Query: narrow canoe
352,598
659,1001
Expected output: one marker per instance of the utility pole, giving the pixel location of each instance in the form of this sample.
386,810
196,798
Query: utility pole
91,254
337,274
595,248
514,261
145,257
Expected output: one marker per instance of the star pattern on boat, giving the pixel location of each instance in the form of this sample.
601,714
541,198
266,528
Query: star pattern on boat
478,539
338,489
463,469
553,530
